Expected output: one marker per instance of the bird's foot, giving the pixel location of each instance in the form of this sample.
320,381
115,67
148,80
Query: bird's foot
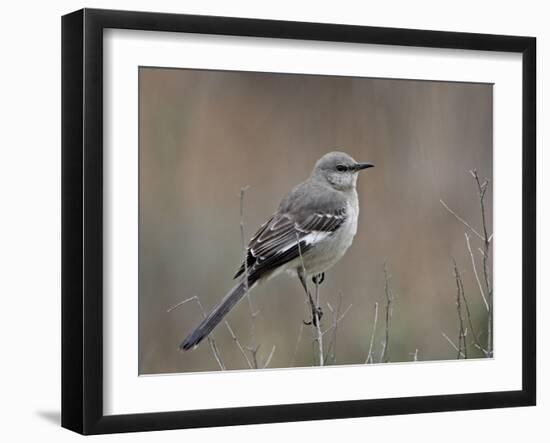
316,316
318,279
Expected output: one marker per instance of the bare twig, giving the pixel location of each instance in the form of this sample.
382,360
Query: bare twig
461,220
317,324
270,356
210,339
298,340
389,300
482,189
462,347
469,317
462,294
336,319
239,345
254,347
485,288
334,327
452,344
475,271
177,305
370,358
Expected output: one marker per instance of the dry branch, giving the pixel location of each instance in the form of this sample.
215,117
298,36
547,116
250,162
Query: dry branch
452,344
484,287
462,346
239,345
336,319
210,339
482,189
389,300
474,267
370,358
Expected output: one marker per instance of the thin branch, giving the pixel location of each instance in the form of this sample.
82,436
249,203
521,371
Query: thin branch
461,332
461,220
334,327
270,356
239,345
177,305
317,324
486,238
254,347
370,358
475,271
468,313
389,299
297,344
210,339
482,189
336,320
452,344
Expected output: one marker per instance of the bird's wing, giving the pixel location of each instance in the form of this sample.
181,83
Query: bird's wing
285,236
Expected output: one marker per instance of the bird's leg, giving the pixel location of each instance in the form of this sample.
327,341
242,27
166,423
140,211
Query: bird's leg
318,279
316,311
303,281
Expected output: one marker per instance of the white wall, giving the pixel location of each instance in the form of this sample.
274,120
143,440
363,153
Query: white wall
30,217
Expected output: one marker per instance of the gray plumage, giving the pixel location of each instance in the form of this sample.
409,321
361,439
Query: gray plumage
310,231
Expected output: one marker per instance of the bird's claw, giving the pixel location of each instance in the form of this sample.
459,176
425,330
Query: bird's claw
318,279
316,315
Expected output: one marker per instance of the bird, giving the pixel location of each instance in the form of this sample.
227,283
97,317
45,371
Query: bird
309,232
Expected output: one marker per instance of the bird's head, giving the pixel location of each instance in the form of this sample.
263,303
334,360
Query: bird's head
339,170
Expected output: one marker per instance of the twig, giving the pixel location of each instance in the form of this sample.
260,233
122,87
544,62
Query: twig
461,331
317,324
487,292
461,220
254,347
389,300
177,305
468,313
210,339
270,356
452,344
333,327
482,189
297,344
339,319
336,319
475,270
239,345
370,359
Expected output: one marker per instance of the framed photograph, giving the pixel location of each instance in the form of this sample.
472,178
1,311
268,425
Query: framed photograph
269,221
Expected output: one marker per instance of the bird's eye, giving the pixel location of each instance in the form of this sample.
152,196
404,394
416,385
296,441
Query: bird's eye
341,168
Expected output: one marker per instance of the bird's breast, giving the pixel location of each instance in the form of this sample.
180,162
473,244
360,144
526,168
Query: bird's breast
332,248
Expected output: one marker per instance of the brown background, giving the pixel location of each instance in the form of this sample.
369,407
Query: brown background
206,134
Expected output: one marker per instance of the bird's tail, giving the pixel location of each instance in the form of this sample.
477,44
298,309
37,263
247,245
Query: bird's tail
216,316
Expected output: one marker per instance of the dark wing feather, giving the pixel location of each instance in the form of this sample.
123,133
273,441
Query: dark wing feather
282,239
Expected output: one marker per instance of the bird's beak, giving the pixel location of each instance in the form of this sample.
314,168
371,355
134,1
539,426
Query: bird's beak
359,166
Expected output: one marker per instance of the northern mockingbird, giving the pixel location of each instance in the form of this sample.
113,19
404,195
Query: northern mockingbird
310,231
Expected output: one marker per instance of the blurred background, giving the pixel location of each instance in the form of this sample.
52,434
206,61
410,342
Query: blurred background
206,134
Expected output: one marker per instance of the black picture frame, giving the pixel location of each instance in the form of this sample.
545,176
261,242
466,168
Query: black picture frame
82,220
